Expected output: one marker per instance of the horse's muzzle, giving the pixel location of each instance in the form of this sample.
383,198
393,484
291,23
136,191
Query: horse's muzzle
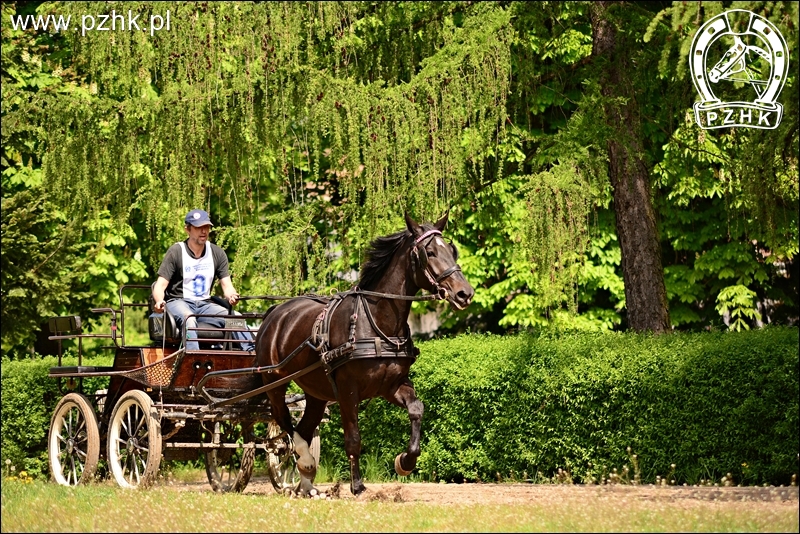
461,300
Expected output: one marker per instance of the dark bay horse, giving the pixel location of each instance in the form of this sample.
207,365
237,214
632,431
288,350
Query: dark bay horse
356,345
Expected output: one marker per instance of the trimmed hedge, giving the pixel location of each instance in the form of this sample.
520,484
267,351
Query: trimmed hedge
29,397
711,403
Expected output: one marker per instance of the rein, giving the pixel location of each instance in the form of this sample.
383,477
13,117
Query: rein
432,296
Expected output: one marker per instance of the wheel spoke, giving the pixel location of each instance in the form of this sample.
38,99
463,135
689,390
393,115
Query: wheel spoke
144,463
129,467
124,426
81,425
139,424
136,466
74,473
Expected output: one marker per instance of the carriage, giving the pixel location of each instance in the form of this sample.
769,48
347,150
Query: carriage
165,402
342,348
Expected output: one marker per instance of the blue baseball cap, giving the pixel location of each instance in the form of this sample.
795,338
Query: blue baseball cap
198,218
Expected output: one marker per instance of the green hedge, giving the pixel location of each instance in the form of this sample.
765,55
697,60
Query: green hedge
711,403
28,400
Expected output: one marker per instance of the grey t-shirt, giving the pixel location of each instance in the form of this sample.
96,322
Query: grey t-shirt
172,268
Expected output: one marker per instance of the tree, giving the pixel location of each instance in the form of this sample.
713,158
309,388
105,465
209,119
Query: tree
645,292
307,129
52,264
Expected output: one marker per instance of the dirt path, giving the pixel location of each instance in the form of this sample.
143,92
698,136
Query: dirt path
525,493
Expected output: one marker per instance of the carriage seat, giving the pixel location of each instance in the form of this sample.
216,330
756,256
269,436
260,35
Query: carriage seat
163,328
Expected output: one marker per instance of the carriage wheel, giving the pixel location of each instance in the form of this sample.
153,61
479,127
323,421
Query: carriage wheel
282,462
134,441
74,441
229,470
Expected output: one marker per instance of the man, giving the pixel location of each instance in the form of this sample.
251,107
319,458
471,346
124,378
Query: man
185,278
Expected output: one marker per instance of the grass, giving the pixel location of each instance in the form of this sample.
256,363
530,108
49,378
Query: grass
46,507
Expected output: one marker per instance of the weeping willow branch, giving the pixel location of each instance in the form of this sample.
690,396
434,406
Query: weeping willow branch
241,100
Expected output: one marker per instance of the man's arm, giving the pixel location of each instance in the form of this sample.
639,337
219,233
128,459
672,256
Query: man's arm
228,290
158,293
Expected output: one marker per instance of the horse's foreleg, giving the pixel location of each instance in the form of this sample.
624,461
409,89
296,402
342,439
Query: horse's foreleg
406,397
348,406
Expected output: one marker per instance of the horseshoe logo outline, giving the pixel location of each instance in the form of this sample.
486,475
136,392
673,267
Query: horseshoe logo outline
763,112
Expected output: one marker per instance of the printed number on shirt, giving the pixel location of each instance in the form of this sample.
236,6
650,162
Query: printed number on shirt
199,285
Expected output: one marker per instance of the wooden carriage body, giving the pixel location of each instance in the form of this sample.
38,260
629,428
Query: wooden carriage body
166,402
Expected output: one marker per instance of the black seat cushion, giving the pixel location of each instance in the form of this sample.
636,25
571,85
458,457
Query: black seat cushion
164,325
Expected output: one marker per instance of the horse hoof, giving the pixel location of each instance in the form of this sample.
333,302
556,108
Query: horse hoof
399,468
307,473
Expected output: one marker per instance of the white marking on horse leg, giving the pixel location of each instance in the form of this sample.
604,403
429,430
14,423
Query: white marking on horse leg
305,486
305,461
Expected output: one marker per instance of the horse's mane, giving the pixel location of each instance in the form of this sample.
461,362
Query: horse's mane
379,256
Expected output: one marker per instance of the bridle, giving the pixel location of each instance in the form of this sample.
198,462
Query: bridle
420,262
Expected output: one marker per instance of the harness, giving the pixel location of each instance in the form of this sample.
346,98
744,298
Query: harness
382,346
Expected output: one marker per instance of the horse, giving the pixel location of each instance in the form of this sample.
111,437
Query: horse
356,345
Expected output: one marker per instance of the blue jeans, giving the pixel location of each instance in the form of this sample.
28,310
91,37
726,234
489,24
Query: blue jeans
181,308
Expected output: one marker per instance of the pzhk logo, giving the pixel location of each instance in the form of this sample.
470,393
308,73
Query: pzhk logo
762,68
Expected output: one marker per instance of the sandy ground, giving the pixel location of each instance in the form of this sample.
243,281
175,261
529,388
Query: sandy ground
525,493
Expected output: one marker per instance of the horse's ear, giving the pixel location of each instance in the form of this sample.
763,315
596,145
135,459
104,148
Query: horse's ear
441,223
412,226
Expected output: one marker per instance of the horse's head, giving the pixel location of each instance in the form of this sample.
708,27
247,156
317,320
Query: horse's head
731,63
434,266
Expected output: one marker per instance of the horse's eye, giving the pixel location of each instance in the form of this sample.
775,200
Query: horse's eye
430,254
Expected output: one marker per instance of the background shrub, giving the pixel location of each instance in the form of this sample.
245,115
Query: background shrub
711,403
29,397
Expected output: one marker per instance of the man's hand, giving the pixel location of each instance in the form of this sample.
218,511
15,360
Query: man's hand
231,295
158,294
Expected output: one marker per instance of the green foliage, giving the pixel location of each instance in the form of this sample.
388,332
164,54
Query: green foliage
724,249
711,403
40,262
29,398
281,107
307,129
52,263
50,269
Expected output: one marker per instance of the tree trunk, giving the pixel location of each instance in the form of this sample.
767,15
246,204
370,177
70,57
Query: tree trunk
642,272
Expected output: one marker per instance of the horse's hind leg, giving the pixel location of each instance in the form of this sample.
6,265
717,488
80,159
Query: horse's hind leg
280,412
406,397
303,434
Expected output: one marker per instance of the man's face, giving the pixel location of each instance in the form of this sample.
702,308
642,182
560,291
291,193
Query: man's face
198,235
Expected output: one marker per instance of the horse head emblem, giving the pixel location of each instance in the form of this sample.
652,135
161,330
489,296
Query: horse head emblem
738,64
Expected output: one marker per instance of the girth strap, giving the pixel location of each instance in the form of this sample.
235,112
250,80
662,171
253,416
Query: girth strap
369,347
